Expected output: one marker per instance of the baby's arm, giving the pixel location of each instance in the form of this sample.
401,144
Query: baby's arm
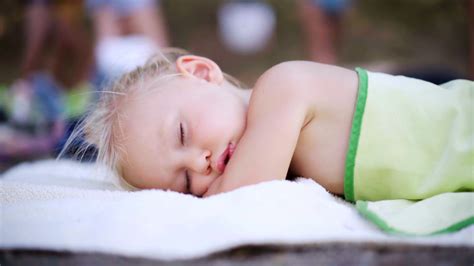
278,110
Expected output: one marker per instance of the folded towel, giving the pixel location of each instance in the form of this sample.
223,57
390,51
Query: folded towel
68,206
443,213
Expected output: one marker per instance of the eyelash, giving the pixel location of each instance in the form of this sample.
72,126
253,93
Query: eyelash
181,130
186,173
188,182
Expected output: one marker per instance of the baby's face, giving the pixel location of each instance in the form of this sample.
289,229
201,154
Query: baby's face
180,136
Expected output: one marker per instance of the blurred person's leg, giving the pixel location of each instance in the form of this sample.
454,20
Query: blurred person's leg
105,27
104,19
321,23
26,92
149,20
72,57
37,26
35,121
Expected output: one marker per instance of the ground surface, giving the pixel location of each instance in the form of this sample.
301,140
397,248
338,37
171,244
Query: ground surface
328,254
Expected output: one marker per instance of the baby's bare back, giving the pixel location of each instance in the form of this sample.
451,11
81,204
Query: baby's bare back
322,146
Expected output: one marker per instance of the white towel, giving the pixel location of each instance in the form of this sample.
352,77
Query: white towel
65,206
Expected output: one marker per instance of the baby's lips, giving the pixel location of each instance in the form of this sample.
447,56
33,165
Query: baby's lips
220,161
225,157
231,149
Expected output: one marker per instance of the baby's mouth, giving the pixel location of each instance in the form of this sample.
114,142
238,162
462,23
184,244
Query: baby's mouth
225,157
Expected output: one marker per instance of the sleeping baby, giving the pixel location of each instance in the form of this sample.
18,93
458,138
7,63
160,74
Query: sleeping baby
179,123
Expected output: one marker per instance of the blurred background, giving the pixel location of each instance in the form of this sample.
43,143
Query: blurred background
55,56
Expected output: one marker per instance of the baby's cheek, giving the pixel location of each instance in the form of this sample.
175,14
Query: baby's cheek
214,186
203,183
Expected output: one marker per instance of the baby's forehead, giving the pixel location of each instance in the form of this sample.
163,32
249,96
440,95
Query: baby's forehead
144,102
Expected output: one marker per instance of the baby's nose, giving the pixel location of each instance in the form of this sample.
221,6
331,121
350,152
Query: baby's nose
201,162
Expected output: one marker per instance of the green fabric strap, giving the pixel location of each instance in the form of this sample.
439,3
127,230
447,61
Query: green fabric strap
355,133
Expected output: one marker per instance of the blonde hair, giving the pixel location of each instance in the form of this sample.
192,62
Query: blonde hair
101,124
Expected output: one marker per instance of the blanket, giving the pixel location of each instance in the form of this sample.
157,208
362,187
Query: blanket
68,206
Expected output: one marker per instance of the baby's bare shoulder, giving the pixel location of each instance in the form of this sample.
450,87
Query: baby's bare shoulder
317,86
279,89
305,77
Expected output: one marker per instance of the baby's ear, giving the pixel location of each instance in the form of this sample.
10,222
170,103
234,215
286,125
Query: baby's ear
200,67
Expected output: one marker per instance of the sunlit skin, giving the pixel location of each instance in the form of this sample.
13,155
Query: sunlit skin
198,134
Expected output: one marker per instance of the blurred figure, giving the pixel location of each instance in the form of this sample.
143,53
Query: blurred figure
61,22
321,21
245,26
127,33
55,66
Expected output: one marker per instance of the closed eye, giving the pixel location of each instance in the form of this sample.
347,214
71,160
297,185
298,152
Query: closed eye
188,182
181,131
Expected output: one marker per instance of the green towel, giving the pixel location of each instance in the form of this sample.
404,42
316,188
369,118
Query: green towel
443,213
411,140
